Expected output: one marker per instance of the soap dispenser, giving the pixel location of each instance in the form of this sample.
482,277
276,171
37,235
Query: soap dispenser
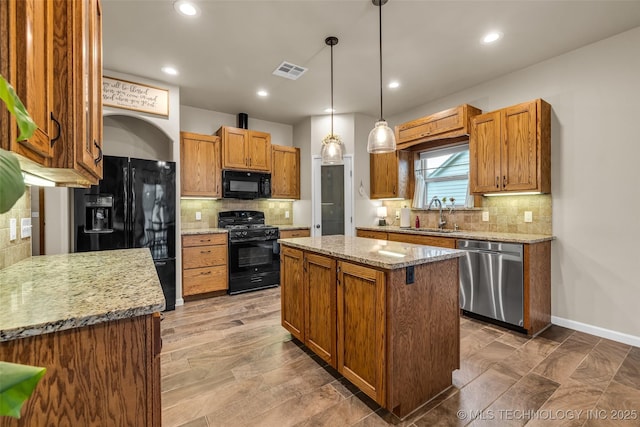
417,221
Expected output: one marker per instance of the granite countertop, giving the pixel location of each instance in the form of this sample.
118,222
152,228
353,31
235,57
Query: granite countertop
195,231
50,293
464,234
376,253
293,227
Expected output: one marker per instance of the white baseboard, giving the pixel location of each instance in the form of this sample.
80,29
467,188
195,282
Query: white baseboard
179,301
597,331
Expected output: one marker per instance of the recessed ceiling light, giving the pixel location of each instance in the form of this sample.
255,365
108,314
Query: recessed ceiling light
394,85
186,8
170,70
263,93
492,37
330,110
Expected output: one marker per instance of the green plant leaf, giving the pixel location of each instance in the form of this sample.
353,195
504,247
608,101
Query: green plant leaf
26,125
11,181
17,382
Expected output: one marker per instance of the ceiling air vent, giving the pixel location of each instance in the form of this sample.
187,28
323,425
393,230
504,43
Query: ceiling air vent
289,71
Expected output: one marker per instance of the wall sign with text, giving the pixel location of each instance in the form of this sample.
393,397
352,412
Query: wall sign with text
135,96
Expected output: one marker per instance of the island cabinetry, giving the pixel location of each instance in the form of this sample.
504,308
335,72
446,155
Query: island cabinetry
103,374
204,264
320,306
380,235
287,234
200,162
361,328
285,173
442,242
244,149
390,175
510,149
292,291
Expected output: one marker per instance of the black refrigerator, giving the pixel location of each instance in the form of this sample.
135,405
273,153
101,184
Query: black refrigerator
133,206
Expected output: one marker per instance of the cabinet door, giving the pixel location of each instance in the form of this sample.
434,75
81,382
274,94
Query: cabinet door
285,175
519,148
34,73
384,175
484,153
200,165
320,306
94,84
259,151
234,148
361,327
292,291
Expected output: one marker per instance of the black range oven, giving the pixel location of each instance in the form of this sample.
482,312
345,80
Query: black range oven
254,258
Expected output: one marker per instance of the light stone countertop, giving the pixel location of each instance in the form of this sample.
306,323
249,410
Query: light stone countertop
376,253
196,231
464,234
50,293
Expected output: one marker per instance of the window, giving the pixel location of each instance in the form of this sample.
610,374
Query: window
442,173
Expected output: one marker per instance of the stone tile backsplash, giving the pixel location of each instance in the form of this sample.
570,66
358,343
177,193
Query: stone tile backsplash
506,215
274,211
19,249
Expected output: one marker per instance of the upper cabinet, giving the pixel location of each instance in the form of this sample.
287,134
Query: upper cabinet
510,149
445,125
244,149
285,173
390,175
57,72
200,162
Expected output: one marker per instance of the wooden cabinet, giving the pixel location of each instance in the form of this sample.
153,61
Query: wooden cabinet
380,235
244,149
418,239
292,291
537,287
448,124
204,264
103,374
510,149
320,306
287,234
200,165
361,328
57,72
285,173
390,175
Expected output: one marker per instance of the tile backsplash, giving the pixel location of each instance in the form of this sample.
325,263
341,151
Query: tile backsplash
18,249
506,215
274,211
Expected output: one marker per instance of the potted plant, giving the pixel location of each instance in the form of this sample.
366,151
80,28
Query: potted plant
18,381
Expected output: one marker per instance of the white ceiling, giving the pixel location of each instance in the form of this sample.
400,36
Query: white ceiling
225,55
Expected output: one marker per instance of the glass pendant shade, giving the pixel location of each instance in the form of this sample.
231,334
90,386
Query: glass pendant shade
381,139
331,151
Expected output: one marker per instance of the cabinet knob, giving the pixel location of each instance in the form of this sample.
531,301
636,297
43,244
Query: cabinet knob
53,140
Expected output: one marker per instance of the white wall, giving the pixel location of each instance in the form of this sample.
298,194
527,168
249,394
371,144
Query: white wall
127,136
208,122
595,175
302,140
57,222
365,208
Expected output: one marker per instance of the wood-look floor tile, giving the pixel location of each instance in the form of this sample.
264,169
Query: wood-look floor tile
561,363
629,372
514,339
373,420
618,406
556,333
487,356
200,422
601,364
524,398
471,399
411,419
568,406
527,356
344,413
477,340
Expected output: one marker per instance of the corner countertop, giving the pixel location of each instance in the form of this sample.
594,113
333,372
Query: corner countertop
376,253
50,293
196,231
464,234
293,227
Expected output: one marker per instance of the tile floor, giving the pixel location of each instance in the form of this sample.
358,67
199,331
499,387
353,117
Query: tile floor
226,361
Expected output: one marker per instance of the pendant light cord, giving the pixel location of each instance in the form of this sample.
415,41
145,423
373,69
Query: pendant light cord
380,9
332,90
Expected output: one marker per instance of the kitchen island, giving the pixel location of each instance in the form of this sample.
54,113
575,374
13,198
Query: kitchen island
384,314
92,319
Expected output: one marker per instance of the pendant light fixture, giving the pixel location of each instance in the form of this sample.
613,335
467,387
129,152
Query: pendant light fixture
381,138
331,145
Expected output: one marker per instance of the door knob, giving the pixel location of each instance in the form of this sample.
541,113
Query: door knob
317,225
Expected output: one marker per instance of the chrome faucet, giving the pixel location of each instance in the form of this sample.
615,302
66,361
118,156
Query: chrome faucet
441,222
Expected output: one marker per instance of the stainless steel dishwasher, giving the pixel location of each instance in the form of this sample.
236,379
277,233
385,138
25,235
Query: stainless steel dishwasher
491,281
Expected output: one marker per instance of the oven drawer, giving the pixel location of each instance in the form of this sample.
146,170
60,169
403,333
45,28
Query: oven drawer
204,256
202,280
204,240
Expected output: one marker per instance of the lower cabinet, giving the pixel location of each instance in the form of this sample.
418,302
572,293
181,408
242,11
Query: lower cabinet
416,239
287,234
320,306
204,264
292,291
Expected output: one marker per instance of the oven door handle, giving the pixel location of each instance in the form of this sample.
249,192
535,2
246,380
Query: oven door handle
255,239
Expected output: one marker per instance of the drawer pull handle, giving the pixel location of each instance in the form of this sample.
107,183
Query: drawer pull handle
202,240
205,252
204,274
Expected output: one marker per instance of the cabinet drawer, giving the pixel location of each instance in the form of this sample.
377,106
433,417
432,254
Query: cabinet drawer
380,235
202,280
204,256
435,124
443,242
204,239
286,234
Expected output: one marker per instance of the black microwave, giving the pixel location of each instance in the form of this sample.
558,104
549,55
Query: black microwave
245,185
